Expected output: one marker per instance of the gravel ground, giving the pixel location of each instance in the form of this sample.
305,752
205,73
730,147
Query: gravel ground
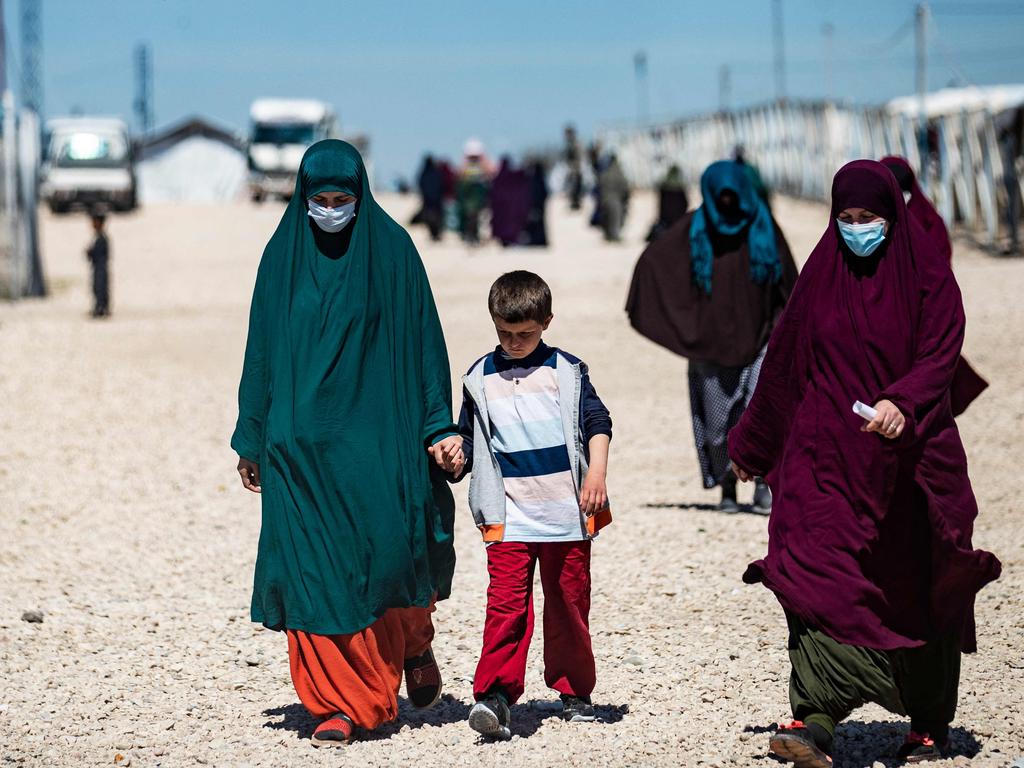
122,521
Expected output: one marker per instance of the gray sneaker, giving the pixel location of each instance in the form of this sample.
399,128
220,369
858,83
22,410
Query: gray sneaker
490,717
577,709
762,498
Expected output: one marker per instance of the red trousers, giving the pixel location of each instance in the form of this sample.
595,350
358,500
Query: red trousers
568,656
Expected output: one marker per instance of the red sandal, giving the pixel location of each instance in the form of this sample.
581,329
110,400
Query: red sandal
335,731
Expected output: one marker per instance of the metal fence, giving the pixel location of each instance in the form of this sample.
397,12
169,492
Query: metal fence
21,271
970,163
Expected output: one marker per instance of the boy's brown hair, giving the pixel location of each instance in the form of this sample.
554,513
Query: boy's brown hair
520,296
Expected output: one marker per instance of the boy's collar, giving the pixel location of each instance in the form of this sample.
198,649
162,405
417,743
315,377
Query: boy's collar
537,356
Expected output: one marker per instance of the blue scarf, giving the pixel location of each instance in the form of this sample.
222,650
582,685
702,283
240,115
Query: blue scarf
765,266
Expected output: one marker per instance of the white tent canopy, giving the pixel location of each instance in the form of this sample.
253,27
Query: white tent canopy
953,101
193,162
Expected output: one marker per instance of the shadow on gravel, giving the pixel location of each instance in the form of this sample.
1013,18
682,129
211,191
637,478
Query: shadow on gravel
746,509
860,745
447,710
528,717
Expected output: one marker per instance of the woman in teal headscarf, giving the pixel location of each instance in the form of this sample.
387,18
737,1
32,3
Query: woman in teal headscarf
711,289
345,393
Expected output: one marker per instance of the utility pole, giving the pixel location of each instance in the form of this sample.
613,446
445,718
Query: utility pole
642,95
724,88
780,53
921,57
143,88
3,50
31,57
828,35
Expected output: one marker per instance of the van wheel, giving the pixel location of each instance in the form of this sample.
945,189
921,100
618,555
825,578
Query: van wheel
257,197
59,208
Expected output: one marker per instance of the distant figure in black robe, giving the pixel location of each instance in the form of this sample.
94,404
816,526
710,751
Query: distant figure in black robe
431,184
672,202
99,256
536,220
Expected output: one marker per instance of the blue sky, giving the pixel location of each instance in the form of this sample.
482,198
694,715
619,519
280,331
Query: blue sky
426,75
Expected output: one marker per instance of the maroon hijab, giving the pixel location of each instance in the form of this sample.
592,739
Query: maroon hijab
967,383
869,538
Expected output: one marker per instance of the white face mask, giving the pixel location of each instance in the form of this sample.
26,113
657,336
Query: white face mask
332,219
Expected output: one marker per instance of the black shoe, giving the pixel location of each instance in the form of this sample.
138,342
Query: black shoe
921,748
423,680
490,717
577,709
795,743
728,502
762,498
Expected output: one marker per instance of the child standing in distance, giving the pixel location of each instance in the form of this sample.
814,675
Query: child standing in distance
535,436
98,254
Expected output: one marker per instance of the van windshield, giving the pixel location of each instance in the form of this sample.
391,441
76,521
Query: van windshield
283,133
87,149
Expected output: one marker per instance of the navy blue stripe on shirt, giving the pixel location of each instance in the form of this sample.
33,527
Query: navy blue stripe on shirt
535,462
542,356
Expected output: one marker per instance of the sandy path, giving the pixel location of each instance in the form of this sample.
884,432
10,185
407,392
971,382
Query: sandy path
122,520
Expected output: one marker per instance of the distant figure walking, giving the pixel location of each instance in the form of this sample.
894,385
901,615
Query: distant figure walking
869,541
431,186
510,203
711,289
471,191
574,165
967,383
536,221
672,202
99,256
613,196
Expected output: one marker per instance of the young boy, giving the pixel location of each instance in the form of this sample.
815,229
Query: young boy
535,436
98,254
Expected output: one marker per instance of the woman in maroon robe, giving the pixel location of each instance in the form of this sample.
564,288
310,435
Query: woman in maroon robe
869,548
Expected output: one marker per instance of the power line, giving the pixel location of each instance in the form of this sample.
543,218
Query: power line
978,9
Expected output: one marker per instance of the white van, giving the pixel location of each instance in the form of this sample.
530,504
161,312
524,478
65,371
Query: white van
88,161
281,131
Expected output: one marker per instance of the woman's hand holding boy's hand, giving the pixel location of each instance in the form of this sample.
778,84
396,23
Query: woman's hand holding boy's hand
594,493
448,454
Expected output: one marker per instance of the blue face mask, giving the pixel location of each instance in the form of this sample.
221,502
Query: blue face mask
863,239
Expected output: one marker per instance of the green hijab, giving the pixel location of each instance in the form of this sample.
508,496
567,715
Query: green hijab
345,383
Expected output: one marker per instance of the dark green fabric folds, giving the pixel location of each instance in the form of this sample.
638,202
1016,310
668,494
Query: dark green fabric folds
829,679
345,383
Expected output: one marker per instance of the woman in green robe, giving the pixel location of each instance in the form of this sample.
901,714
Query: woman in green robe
345,395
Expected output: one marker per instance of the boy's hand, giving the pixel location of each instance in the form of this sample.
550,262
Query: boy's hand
594,493
250,473
740,473
448,454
